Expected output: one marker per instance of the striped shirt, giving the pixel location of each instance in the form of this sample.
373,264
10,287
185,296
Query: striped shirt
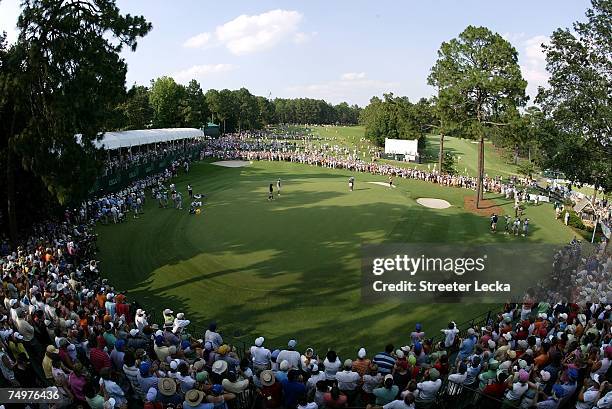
385,362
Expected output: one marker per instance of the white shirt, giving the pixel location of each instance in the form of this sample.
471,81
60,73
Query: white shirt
590,398
331,368
450,336
398,404
517,391
293,357
261,356
347,380
429,389
141,322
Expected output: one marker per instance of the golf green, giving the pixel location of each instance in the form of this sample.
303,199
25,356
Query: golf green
290,268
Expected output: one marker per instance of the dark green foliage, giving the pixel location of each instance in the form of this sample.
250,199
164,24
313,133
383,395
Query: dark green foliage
579,100
64,76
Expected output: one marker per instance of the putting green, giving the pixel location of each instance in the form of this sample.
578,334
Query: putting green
290,268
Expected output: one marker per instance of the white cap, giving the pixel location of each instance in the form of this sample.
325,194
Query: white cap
180,315
284,366
259,341
133,332
159,333
361,353
168,311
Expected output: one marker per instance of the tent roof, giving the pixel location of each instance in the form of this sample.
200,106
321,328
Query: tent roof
124,139
583,204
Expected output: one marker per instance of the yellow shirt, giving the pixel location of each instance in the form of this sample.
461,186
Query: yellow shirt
48,367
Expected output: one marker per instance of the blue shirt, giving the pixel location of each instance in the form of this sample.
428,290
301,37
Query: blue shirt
291,392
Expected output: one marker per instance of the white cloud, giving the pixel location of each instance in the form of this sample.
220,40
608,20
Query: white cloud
533,63
198,41
247,34
352,86
350,76
9,13
199,71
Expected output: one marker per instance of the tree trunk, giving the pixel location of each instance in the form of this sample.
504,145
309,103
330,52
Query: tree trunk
594,194
441,154
480,176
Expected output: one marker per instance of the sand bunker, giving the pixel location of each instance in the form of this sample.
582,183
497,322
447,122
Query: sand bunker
232,163
385,184
433,203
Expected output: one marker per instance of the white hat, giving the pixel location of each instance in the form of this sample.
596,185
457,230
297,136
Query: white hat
110,403
168,311
491,344
173,365
470,331
507,336
159,333
12,302
284,366
399,353
180,315
292,343
259,341
140,312
545,375
133,332
219,367
361,353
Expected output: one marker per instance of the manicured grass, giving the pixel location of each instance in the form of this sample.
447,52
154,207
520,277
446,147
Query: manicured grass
291,268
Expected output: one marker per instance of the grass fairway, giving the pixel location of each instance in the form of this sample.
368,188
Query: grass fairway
291,267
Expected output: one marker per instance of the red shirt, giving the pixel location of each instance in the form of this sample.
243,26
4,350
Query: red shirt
495,390
272,395
123,309
99,359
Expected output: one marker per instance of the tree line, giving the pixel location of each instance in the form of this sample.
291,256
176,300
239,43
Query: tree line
168,104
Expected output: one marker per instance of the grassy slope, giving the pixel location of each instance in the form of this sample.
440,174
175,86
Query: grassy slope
291,268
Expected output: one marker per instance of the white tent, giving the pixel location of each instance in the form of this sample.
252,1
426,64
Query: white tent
126,139
406,147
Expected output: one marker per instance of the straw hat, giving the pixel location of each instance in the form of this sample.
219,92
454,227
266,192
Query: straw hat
267,378
194,397
166,386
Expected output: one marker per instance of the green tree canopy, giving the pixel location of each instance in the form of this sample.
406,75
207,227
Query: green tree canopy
64,76
579,98
479,84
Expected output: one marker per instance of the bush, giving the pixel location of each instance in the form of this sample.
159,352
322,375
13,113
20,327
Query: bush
575,221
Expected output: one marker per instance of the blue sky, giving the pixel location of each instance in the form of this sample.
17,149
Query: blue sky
335,50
